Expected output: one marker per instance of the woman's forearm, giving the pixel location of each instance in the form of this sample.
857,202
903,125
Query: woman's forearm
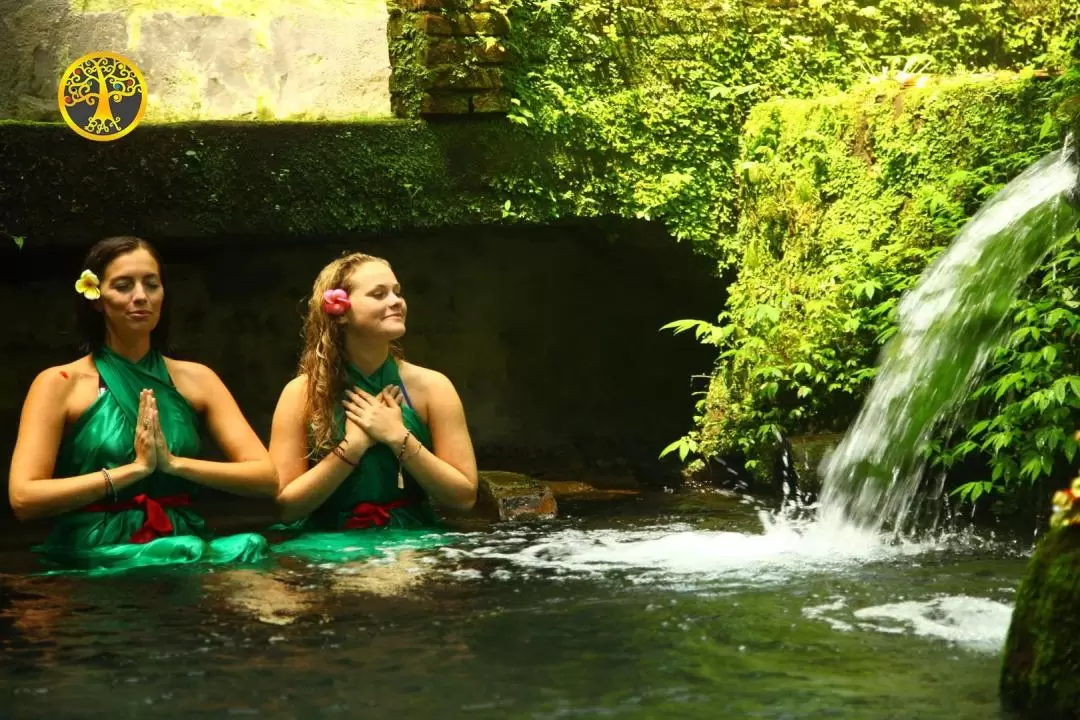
443,482
32,499
249,478
311,489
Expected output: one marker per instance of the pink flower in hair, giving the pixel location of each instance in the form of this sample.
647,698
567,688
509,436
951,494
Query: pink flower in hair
336,302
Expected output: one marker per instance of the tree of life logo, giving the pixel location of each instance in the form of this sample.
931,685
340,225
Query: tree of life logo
102,96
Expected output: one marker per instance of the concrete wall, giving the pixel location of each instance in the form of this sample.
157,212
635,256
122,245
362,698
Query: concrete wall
205,59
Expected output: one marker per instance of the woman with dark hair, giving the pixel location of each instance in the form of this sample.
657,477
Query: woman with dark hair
361,438
108,443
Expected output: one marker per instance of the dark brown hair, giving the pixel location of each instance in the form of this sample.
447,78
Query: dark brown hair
90,320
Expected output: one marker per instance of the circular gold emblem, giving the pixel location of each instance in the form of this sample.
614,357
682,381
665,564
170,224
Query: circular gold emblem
102,96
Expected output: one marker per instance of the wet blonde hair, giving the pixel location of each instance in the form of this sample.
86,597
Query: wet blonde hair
324,358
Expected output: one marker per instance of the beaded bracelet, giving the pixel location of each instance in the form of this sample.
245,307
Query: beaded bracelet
110,489
404,444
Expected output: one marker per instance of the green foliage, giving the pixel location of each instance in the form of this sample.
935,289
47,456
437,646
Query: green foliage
844,201
684,446
1024,412
406,49
299,179
644,100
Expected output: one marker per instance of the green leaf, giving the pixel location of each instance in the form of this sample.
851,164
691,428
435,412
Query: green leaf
684,446
19,240
1049,127
1010,381
671,448
766,312
1034,466
801,368
972,491
681,326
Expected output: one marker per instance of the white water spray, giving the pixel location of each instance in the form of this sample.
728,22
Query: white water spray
948,325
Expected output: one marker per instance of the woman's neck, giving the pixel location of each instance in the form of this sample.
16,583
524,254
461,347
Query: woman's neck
366,355
133,349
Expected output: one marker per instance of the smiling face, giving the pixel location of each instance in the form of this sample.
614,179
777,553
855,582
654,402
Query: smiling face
378,308
131,293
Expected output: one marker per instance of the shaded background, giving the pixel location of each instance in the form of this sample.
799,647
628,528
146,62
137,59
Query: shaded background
550,333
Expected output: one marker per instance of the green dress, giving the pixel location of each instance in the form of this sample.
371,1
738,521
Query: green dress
152,522
369,497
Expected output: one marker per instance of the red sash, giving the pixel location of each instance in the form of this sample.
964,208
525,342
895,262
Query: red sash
366,515
157,523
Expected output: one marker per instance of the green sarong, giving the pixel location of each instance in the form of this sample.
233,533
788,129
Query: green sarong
126,534
369,497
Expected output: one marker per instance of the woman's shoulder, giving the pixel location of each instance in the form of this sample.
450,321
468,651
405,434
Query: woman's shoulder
197,383
60,378
413,374
56,386
424,379
297,387
186,370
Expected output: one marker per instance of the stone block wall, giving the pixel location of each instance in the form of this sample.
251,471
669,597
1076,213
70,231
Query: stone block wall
448,58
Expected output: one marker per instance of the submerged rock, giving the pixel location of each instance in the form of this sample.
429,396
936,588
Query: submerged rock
807,454
1040,676
796,462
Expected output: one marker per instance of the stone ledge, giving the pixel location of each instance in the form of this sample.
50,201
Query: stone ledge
457,103
439,104
252,180
456,77
491,102
508,496
459,5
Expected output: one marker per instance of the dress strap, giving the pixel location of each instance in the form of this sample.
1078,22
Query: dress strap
406,394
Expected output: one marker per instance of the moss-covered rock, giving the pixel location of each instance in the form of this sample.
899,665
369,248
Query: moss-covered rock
506,496
1040,675
807,454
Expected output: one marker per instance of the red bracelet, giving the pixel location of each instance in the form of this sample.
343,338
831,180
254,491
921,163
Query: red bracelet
341,454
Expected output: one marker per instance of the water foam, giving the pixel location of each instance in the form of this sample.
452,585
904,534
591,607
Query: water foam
786,548
971,622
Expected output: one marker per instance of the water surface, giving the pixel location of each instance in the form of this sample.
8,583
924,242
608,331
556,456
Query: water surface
677,605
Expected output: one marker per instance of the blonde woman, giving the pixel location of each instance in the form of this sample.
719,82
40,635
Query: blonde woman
362,439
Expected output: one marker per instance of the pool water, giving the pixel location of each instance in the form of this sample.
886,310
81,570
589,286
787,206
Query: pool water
684,605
